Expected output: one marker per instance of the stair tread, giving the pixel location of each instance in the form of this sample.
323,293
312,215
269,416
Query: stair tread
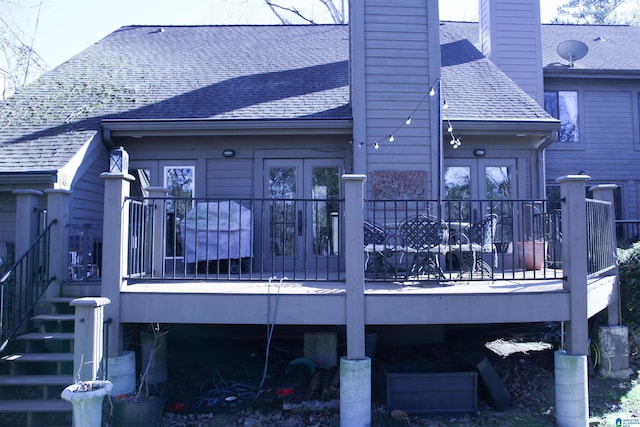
55,317
38,357
36,380
35,405
46,336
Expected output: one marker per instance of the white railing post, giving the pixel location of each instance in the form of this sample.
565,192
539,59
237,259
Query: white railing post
114,249
58,208
571,379
605,192
88,341
158,230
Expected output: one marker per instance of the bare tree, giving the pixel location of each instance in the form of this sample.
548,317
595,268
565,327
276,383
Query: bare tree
288,13
17,53
598,12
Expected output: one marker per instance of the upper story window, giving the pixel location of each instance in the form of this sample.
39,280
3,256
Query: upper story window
563,105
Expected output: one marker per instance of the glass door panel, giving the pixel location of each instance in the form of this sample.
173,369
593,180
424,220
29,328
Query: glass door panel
302,223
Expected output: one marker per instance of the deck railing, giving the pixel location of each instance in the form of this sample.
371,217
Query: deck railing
303,239
627,232
241,239
476,240
601,249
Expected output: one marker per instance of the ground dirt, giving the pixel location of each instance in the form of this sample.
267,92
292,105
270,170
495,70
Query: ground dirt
521,355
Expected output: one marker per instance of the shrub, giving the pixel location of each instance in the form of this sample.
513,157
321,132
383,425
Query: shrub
629,273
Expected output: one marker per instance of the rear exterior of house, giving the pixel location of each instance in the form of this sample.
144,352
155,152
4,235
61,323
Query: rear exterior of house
294,129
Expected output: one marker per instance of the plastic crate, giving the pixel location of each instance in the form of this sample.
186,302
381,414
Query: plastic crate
425,389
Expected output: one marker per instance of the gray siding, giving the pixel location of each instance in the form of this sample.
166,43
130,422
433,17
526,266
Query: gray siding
401,59
87,192
236,177
608,149
7,217
510,35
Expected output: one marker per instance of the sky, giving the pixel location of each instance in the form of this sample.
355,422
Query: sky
63,28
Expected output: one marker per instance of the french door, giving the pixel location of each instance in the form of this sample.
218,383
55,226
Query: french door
302,214
477,187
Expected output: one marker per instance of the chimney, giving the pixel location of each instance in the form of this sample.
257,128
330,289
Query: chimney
395,58
510,35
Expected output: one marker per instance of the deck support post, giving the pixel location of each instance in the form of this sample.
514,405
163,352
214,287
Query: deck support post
159,221
114,250
572,394
355,368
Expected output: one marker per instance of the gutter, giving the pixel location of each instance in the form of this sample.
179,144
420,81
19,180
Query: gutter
546,141
492,127
29,177
174,127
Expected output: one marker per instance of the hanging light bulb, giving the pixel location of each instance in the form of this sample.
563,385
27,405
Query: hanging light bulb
444,104
450,128
408,122
432,91
391,138
376,145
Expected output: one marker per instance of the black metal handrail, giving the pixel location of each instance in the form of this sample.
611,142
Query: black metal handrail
23,285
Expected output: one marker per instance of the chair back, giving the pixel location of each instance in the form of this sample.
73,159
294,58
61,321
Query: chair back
374,234
423,232
484,231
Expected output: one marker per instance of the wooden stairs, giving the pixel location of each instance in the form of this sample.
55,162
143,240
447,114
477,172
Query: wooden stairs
37,367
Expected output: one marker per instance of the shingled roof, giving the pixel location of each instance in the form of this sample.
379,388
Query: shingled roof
176,72
221,72
612,48
476,89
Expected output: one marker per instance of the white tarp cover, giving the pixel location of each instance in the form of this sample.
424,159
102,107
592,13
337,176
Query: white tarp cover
224,231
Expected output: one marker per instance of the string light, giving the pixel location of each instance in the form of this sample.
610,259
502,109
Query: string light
455,141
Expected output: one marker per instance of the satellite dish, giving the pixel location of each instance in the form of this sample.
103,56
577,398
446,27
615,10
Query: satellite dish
572,50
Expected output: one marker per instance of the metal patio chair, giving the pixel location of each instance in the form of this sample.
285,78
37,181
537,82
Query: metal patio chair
474,242
424,237
379,244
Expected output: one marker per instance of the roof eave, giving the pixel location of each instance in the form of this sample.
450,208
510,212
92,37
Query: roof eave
579,73
193,127
542,127
29,177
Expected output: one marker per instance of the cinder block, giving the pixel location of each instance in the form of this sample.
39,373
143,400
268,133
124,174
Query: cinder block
321,348
612,351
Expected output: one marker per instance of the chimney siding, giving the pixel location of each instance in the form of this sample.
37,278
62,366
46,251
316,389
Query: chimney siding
395,58
510,35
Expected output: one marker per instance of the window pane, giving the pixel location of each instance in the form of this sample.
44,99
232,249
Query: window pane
282,219
325,189
568,115
551,103
179,182
457,187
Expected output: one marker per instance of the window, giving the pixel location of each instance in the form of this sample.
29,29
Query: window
563,105
179,182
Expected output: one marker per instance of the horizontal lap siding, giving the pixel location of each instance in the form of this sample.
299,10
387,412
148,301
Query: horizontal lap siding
606,150
397,78
88,194
7,217
219,184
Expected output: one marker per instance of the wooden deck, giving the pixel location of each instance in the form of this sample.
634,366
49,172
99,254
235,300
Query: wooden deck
324,303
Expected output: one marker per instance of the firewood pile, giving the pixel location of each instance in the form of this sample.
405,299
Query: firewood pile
324,385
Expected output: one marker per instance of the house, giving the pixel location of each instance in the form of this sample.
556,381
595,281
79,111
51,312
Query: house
596,97
270,139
